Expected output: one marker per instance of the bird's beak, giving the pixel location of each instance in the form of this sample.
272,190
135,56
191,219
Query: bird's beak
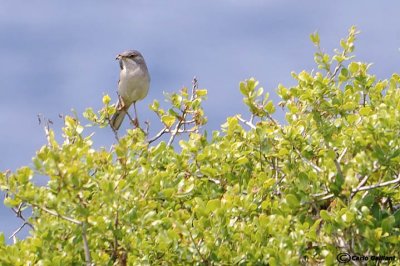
118,57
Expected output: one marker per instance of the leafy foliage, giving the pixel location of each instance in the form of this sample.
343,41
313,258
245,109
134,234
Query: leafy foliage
256,192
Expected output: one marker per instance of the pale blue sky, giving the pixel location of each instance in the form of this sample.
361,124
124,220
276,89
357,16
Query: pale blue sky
57,56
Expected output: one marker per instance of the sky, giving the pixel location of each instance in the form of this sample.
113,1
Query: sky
58,56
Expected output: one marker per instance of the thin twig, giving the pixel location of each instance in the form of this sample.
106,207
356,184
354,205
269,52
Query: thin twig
338,168
196,247
19,229
18,213
112,128
184,113
272,119
146,131
46,127
276,184
337,68
69,219
115,133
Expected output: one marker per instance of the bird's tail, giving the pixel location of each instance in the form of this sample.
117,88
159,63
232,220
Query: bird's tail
117,118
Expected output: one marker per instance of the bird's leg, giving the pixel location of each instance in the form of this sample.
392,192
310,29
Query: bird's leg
136,121
130,118
121,103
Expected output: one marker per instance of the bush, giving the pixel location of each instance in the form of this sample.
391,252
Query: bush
256,192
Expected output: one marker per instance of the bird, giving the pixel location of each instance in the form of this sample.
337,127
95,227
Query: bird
133,85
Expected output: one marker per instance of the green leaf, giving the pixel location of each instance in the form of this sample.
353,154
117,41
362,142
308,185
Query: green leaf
208,171
155,105
344,72
365,111
200,93
315,38
168,120
269,107
325,215
388,223
242,160
212,205
10,202
106,99
292,200
243,88
354,67
259,92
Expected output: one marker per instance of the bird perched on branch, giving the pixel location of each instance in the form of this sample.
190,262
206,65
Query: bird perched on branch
133,85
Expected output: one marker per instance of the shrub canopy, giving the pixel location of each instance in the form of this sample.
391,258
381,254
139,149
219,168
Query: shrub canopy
257,191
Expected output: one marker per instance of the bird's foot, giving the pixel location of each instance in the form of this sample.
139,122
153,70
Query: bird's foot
135,122
121,103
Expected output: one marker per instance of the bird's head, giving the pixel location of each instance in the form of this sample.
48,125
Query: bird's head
130,59
129,54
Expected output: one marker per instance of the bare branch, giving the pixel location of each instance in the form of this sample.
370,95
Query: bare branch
248,123
273,120
329,196
362,183
189,121
175,131
342,154
360,187
86,246
384,184
315,167
316,195
54,213
159,134
196,246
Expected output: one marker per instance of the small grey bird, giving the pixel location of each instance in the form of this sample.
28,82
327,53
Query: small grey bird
133,85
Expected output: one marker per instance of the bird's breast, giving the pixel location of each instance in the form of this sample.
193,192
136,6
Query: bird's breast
133,85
